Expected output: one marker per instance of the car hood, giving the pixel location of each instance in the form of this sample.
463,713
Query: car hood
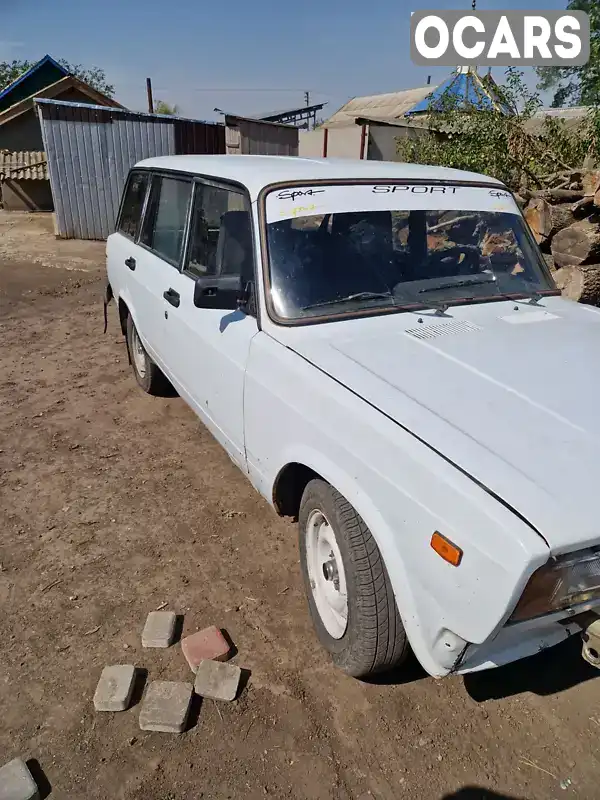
509,392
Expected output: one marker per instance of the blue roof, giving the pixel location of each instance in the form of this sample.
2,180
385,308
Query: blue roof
468,90
41,63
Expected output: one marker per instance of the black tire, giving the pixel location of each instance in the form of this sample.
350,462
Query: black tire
374,639
152,381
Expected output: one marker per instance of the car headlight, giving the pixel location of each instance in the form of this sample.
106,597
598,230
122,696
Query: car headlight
561,583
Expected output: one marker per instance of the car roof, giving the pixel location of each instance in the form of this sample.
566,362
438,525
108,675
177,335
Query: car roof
256,172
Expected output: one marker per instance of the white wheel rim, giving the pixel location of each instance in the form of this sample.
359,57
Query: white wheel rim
326,574
139,354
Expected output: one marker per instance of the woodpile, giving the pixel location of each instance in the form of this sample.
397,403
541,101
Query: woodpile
564,218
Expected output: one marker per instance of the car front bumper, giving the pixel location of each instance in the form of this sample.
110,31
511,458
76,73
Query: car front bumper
515,642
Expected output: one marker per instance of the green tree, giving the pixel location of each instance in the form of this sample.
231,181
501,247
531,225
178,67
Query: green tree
164,108
577,85
94,76
502,145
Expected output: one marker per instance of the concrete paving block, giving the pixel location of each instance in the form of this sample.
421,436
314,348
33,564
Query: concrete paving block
16,782
114,689
217,681
159,629
166,706
206,644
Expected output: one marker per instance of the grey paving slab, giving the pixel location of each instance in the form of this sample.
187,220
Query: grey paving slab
166,706
16,782
159,630
217,681
114,689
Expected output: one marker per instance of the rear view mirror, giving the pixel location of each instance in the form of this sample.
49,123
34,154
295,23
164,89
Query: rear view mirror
224,292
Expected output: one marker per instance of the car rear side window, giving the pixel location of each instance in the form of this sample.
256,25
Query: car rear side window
133,204
165,220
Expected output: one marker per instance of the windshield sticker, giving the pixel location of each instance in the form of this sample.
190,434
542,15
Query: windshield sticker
415,189
344,198
298,211
292,194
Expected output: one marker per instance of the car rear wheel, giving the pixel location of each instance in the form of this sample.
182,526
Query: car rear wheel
349,593
147,374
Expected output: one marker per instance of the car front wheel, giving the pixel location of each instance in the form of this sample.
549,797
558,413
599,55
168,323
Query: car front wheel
349,593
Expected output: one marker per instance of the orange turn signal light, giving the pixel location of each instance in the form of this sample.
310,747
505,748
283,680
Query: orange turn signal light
446,549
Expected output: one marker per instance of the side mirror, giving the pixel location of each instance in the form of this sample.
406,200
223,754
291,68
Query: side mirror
220,292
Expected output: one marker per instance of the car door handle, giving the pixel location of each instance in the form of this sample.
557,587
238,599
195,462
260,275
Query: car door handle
130,262
171,296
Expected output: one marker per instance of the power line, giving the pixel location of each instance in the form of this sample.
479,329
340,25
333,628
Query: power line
158,88
281,91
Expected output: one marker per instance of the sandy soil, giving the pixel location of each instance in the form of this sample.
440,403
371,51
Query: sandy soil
113,503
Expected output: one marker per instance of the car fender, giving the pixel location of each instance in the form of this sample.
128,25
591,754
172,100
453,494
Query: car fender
404,490
347,486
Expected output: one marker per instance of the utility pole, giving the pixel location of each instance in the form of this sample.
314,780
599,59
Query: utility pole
307,103
149,91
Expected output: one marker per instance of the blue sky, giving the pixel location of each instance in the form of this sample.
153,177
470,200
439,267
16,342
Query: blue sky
245,56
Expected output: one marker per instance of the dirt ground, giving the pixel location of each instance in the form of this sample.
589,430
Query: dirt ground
113,503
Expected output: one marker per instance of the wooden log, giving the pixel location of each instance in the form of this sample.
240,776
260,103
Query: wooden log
558,195
537,214
568,175
580,283
577,244
549,259
590,183
546,220
561,216
583,208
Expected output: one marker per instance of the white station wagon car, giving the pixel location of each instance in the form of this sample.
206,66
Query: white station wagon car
382,351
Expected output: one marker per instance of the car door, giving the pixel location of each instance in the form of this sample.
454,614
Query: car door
122,251
210,346
159,256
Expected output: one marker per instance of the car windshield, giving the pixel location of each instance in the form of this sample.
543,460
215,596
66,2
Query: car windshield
346,248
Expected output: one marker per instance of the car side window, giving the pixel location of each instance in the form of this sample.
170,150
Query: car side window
220,233
133,204
166,215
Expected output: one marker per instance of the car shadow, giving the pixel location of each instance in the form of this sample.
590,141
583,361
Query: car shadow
228,319
549,672
478,793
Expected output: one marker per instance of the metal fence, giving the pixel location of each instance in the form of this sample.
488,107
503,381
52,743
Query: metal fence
90,150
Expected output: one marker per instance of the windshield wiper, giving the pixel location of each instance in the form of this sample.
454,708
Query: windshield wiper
456,284
350,298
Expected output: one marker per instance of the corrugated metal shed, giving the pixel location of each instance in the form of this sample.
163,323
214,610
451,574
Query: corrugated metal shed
194,138
247,136
91,150
24,165
383,106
